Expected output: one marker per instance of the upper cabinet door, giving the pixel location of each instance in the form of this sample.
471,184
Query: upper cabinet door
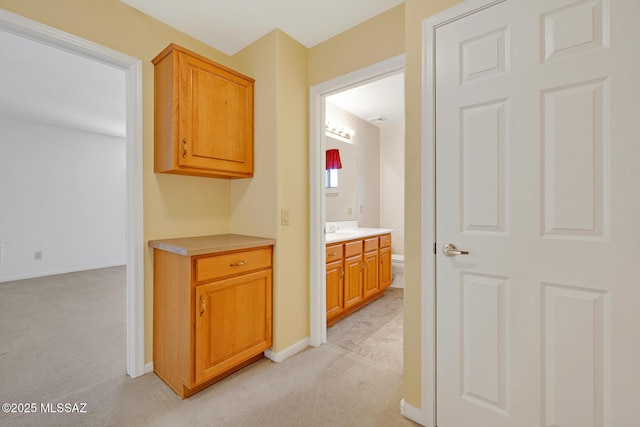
204,117
216,118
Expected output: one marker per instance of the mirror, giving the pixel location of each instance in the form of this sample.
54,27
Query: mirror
342,200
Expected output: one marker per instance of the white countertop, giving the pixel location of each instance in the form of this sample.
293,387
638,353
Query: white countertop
345,234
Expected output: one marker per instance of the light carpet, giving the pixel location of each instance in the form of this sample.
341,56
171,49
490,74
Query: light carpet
62,340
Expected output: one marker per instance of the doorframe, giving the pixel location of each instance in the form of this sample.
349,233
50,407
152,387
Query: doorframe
317,203
33,30
428,190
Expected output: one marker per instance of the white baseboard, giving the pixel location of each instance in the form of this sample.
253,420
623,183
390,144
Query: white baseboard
62,271
278,357
281,356
411,412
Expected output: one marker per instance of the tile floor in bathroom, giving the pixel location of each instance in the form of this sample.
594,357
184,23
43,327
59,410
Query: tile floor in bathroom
375,331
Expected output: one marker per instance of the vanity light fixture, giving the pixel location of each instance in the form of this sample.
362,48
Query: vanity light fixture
338,131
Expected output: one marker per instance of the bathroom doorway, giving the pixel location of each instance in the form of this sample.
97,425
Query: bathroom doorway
343,99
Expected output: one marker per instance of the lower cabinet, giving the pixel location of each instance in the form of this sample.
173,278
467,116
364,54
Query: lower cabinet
371,279
385,267
353,280
361,276
335,284
212,315
233,322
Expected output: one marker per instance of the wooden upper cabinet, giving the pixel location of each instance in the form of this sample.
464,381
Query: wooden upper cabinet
203,117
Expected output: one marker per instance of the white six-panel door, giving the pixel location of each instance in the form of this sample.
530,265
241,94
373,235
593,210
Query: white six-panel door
537,177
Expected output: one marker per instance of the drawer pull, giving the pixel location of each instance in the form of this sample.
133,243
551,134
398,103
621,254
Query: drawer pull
238,264
203,305
333,254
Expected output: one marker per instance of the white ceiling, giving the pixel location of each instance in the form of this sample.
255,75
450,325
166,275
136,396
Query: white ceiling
381,102
44,84
230,25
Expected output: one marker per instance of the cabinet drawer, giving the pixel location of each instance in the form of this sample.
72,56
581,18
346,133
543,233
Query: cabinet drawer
371,244
352,248
334,253
214,267
385,240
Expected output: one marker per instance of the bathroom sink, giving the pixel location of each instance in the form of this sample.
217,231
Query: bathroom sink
348,231
343,234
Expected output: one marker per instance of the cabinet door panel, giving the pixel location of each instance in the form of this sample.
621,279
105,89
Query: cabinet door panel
232,321
385,267
371,267
216,118
353,280
335,292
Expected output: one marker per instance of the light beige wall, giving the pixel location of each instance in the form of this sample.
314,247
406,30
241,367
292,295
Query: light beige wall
173,205
373,41
254,201
363,169
415,12
392,184
279,65
291,304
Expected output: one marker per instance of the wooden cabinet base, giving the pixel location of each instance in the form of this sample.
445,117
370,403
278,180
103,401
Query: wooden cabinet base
357,272
185,392
212,308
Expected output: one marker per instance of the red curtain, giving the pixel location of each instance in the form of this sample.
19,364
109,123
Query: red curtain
333,159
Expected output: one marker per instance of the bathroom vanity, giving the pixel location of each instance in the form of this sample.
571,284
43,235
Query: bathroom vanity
358,269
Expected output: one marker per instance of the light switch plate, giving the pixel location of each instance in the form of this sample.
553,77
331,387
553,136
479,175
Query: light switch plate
284,216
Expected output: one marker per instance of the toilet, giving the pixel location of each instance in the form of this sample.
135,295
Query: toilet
397,271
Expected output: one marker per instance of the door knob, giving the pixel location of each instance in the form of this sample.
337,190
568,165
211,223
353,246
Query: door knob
450,250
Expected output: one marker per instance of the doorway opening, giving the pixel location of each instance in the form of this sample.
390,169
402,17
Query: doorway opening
318,205
132,67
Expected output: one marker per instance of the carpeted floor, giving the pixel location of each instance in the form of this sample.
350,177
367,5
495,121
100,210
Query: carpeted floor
62,340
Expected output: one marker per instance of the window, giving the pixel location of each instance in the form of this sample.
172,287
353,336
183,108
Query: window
332,178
